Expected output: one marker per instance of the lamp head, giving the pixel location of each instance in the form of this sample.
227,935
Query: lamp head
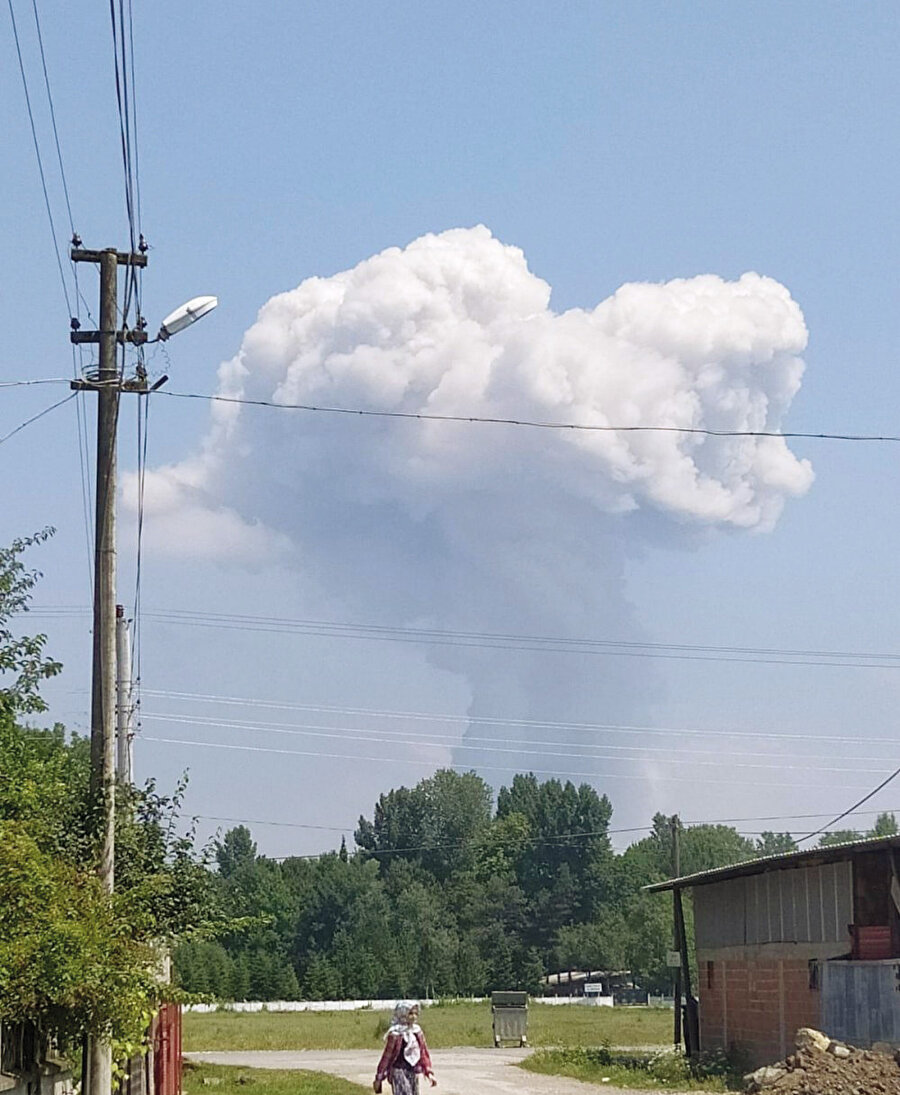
186,315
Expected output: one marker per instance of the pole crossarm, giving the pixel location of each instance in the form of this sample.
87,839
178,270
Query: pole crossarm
123,258
137,336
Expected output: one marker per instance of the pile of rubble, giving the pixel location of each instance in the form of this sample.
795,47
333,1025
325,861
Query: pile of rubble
822,1066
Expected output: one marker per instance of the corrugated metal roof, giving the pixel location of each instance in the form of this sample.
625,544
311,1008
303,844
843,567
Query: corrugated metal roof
832,853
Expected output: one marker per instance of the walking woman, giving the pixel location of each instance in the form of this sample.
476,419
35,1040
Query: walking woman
405,1055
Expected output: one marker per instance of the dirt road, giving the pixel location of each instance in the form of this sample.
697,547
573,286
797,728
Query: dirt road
458,1071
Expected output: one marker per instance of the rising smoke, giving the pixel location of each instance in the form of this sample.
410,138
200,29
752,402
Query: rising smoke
493,528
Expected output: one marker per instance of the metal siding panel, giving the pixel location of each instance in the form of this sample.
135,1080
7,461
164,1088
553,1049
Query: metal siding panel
827,890
802,906
790,913
753,909
704,923
823,936
860,1002
845,900
719,914
773,900
814,904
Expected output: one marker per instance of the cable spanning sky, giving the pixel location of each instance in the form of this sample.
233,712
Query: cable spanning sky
685,208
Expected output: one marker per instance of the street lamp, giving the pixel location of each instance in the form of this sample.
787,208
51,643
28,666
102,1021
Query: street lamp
184,316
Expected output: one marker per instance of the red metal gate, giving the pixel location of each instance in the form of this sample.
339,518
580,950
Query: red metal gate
167,1050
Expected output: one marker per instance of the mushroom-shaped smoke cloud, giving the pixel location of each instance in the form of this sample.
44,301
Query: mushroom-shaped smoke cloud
492,527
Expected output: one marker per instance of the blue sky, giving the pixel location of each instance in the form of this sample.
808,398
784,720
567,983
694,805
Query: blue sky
612,143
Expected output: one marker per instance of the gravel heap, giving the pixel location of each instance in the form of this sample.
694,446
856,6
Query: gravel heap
825,1067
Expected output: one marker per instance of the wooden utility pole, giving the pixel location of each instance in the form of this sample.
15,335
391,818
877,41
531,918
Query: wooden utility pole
674,829
107,382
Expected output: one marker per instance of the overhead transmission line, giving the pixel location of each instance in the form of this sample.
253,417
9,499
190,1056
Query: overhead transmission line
579,773
488,640
39,158
562,840
485,720
517,746
591,427
566,836
35,417
71,315
853,808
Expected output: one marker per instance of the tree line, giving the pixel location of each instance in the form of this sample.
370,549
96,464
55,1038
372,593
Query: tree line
448,893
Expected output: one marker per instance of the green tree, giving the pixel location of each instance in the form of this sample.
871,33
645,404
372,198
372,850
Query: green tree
839,836
236,851
769,843
75,960
23,663
436,824
885,825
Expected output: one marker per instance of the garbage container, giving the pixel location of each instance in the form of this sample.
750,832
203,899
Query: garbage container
510,1014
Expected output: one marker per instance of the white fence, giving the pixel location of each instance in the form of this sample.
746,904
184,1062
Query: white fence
380,1005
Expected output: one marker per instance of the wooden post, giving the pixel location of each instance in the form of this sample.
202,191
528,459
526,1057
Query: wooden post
691,1014
674,827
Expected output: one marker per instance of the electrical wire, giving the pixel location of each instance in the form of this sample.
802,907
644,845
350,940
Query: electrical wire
563,840
81,432
498,641
40,162
35,417
846,813
542,724
142,435
530,423
545,644
490,745
580,773
480,720
30,383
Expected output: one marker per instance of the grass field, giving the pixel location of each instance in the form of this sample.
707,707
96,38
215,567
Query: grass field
219,1080
462,1024
662,1072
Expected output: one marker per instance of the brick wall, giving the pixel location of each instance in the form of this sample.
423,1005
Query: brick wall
755,1005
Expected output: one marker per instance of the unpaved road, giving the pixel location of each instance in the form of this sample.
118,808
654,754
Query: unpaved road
458,1071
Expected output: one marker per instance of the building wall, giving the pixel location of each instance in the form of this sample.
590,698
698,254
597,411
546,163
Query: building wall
754,1003
796,905
759,941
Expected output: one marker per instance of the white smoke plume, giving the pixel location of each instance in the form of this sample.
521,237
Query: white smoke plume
480,527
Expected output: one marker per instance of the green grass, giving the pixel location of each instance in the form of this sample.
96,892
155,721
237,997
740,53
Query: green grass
462,1024
659,1072
222,1080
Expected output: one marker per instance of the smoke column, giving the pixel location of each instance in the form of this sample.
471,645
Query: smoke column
484,528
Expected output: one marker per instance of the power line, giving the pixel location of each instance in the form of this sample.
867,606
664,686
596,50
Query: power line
599,832
62,170
37,153
530,423
79,404
35,417
352,733
480,720
580,773
543,724
528,643
31,383
846,813
560,840
143,413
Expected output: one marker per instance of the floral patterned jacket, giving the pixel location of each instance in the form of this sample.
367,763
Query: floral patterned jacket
393,1051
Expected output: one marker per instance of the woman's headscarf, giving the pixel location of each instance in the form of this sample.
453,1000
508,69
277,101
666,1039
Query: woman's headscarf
402,1028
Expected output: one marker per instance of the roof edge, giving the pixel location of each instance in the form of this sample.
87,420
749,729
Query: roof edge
831,853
